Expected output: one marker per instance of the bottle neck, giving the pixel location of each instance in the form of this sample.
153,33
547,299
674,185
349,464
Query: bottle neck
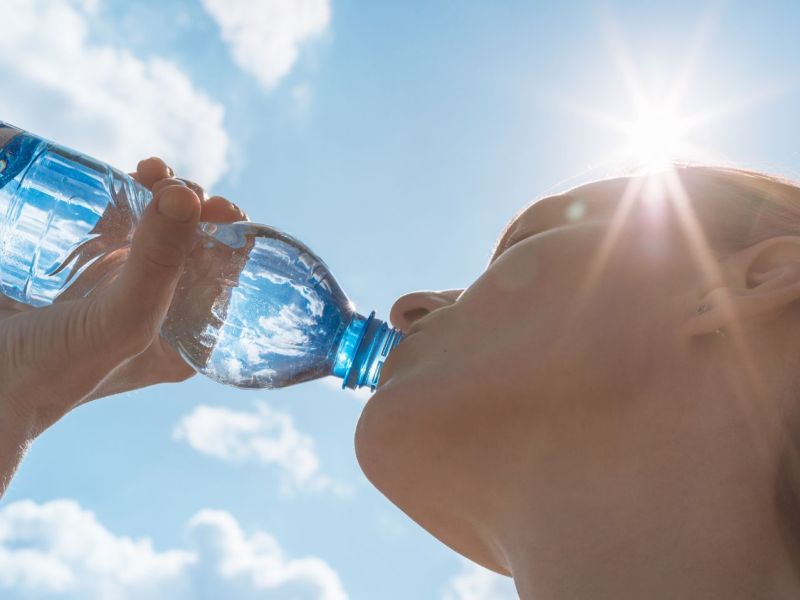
362,350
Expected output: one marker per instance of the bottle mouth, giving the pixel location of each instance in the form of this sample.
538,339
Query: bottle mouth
364,347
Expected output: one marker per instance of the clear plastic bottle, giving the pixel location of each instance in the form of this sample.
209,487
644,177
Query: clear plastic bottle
254,308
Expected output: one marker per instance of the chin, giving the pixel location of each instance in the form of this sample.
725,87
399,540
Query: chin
406,424
393,437
406,455
408,434
372,438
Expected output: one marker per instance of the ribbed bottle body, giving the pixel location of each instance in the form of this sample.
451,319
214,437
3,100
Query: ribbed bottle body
65,219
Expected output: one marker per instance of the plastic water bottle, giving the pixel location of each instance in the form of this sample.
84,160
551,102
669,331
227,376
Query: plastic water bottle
254,308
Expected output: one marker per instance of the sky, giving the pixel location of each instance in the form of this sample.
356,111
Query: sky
396,139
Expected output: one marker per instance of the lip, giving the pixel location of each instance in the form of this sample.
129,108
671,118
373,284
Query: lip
396,357
416,327
411,332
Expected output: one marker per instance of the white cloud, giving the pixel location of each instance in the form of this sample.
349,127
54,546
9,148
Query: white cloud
264,35
102,99
476,583
257,563
264,436
60,550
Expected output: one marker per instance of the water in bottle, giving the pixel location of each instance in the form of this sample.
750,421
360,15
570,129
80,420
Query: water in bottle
254,308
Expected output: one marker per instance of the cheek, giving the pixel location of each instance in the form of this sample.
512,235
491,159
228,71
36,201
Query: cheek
550,319
510,278
530,291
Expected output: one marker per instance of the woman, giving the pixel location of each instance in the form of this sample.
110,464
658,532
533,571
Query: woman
610,410
607,412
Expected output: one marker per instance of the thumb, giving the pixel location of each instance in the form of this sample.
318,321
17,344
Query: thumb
135,305
51,358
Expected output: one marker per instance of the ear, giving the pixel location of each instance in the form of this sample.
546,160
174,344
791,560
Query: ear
760,282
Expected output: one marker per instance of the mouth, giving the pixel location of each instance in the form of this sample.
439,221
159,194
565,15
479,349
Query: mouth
411,332
395,361
417,326
400,355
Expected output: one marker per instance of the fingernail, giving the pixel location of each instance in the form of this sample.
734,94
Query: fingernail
170,172
179,207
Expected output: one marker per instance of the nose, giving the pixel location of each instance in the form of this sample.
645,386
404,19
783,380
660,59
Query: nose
412,307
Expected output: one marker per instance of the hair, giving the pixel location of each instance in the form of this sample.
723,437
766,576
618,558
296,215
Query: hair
739,208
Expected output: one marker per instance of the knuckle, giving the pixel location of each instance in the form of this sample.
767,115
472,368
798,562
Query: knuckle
144,163
196,188
165,183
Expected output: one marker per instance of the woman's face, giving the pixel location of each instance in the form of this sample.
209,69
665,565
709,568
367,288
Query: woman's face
557,375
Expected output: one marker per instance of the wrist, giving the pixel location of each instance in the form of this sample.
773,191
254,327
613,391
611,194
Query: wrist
17,421
25,417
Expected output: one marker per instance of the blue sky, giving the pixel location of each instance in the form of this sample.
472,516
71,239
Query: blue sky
396,139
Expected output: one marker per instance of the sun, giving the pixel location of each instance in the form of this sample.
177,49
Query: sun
648,110
656,137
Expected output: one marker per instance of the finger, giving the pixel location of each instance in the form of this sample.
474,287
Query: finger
133,307
214,210
221,210
162,183
196,188
150,170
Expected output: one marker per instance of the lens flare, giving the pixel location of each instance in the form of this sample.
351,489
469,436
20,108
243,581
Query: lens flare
657,132
656,138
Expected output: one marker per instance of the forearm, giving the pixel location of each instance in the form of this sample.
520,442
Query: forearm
16,434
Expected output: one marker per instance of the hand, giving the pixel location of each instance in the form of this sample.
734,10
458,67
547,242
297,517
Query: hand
57,357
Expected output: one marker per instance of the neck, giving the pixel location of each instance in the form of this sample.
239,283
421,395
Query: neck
643,546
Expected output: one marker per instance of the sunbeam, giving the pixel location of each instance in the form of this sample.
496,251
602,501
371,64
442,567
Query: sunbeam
657,130
623,209
709,266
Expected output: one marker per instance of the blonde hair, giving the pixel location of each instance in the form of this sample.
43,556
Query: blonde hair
739,208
